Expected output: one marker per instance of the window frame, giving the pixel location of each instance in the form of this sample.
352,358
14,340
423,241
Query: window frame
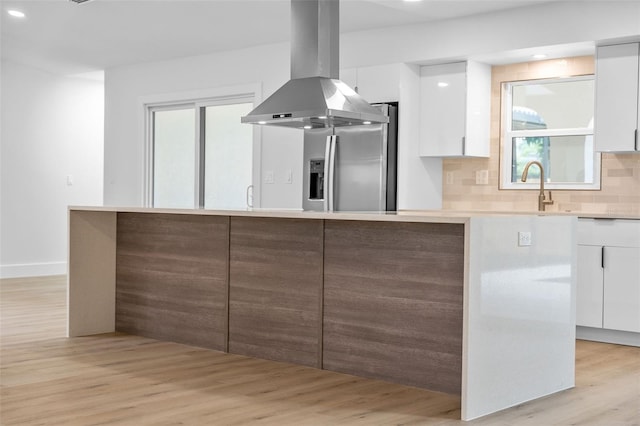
507,135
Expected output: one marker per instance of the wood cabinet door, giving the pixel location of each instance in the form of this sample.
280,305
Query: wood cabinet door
275,289
171,277
393,302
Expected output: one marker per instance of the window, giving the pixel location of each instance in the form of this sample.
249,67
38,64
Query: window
550,121
201,155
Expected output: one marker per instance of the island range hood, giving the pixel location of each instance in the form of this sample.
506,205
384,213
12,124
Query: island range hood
314,97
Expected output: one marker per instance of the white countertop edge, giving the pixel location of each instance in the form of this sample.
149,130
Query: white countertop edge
434,216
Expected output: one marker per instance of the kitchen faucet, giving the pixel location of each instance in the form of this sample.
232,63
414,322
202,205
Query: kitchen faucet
542,201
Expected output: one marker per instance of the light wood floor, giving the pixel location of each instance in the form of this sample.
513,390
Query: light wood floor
117,379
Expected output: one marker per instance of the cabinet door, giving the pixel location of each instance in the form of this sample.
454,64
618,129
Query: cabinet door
375,84
622,288
171,277
443,109
393,302
349,77
275,289
380,83
478,110
616,113
589,289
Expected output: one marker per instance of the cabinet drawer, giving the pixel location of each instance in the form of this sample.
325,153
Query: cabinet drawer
609,232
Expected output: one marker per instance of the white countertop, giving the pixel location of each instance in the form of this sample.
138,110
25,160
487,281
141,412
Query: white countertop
432,216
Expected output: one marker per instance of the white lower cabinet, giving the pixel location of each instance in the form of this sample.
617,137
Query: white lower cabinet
621,288
589,294
608,290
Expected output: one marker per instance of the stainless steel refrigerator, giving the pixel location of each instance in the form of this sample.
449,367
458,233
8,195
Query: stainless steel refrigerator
352,168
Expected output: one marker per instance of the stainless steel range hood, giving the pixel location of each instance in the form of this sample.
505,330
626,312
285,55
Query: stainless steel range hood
314,97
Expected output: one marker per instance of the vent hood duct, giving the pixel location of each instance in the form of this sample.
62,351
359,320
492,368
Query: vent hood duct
314,97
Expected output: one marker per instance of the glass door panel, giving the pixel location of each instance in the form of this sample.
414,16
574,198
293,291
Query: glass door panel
228,153
174,158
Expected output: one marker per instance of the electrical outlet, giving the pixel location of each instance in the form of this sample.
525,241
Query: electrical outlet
524,239
449,178
268,176
482,177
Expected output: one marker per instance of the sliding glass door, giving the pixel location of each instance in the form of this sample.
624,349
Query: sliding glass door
228,153
202,156
174,157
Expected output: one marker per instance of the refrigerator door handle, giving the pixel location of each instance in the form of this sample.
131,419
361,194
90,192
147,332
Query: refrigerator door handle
325,182
332,141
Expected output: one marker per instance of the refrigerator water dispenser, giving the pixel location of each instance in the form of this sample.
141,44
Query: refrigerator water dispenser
316,179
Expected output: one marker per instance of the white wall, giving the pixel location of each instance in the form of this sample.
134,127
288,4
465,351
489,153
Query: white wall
52,127
419,179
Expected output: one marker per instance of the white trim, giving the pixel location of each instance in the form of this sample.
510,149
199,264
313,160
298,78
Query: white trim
20,270
582,131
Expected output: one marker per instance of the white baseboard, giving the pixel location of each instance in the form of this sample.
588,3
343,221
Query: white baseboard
33,269
608,336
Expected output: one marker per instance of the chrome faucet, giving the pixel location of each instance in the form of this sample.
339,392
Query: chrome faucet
542,200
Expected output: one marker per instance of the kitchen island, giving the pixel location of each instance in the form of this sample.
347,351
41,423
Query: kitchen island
476,305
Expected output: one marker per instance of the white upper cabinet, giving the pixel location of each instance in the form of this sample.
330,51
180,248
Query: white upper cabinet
455,103
375,84
617,111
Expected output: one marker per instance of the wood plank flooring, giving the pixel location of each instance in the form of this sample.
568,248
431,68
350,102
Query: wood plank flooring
118,379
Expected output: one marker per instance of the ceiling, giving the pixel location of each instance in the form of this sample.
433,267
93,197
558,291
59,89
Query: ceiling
63,36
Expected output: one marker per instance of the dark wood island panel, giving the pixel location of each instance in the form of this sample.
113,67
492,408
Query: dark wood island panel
393,302
172,277
275,289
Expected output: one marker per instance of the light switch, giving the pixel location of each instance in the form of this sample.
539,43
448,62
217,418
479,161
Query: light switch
69,180
289,176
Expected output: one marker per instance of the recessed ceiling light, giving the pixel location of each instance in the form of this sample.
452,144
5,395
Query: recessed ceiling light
262,122
539,56
442,84
307,127
366,122
16,13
